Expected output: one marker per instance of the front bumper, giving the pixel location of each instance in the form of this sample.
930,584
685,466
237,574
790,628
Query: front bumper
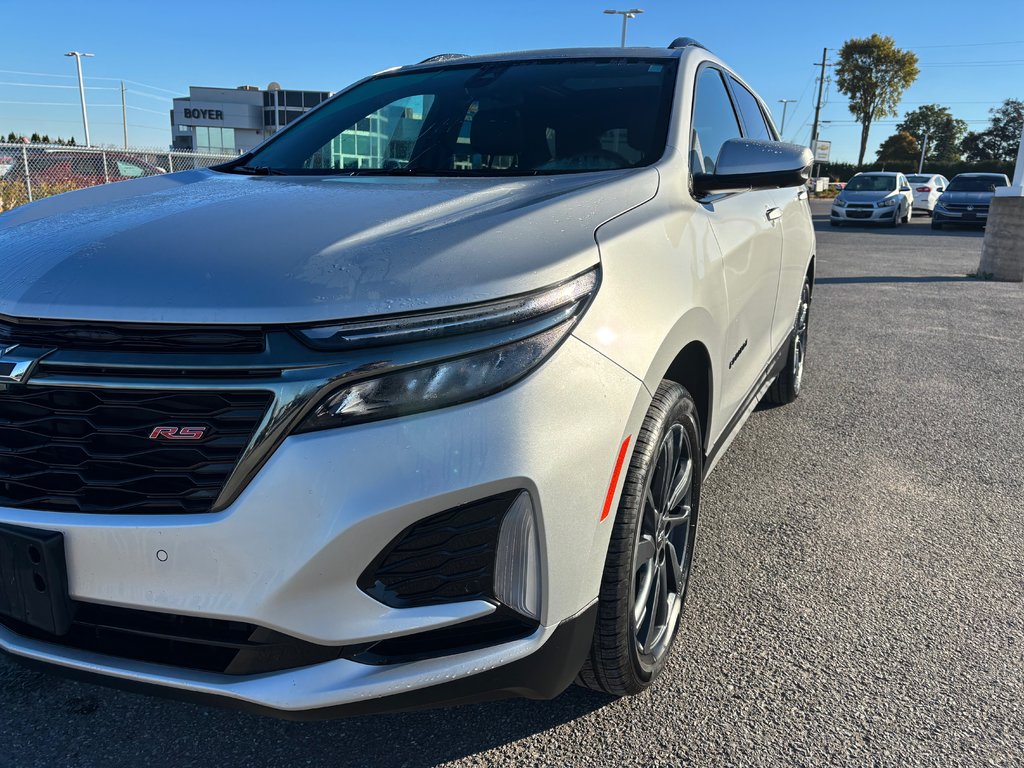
945,216
863,215
288,553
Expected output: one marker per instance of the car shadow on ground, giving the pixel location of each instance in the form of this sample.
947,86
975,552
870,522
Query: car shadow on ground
893,279
156,728
917,226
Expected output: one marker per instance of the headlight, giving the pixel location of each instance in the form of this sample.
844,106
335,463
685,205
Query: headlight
889,202
839,202
537,322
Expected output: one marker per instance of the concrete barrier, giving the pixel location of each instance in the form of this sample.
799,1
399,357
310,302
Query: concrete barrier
1002,256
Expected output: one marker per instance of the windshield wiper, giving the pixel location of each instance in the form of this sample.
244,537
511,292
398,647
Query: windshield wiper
257,170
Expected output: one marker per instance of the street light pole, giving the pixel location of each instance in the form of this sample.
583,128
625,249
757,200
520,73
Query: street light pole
81,92
785,103
632,13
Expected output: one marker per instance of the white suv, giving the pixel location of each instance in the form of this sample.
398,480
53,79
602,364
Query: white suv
412,404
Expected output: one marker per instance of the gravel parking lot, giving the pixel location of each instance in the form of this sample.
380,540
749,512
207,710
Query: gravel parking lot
857,598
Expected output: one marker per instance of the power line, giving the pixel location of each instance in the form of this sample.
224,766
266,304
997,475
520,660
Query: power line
72,87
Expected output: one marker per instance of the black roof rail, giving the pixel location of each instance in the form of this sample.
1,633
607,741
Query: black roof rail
686,42
444,57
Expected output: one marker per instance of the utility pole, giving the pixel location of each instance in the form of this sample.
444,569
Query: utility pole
924,148
817,107
785,103
124,115
81,92
632,13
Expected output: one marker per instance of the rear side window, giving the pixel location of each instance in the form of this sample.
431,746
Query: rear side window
750,110
714,121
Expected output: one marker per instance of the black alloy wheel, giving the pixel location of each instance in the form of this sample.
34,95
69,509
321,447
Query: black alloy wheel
647,569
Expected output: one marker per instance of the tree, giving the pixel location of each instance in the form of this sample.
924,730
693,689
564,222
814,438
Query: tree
1002,137
901,148
12,137
873,73
944,132
35,138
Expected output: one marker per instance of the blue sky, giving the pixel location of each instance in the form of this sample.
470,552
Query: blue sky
970,60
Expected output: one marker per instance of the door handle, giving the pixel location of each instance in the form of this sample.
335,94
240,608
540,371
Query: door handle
773,214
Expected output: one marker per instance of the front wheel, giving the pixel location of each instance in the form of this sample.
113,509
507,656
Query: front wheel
786,387
647,569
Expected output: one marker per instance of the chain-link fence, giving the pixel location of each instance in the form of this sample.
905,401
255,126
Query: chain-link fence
32,171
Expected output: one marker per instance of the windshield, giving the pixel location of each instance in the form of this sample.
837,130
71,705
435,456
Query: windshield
976,183
871,184
507,118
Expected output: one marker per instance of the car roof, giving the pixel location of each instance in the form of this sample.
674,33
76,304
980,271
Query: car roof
552,53
880,173
981,175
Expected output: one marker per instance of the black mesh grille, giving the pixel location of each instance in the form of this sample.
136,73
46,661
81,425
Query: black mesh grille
131,338
213,645
444,558
90,450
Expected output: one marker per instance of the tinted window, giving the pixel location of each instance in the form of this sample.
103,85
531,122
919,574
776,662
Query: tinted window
714,121
920,179
529,117
976,183
867,183
750,110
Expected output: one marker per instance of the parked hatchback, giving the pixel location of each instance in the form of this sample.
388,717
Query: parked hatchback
927,188
967,199
411,405
877,197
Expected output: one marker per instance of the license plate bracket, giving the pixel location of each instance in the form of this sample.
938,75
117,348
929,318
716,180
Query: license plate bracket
34,579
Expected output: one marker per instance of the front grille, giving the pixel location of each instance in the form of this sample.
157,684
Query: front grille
859,214
212,645
68,334
968,208
90,450
860,205
445,558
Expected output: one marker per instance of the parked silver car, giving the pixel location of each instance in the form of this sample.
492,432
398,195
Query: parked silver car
876,197
411,405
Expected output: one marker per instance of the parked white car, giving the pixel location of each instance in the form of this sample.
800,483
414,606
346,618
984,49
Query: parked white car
927,188
317,439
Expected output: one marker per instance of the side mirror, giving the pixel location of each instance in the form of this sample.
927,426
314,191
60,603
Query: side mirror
747,164
904,189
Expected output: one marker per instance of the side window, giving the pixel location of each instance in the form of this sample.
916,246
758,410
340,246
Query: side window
714,121
750,110
129,170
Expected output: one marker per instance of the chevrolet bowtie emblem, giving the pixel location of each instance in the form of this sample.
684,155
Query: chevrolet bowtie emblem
16,363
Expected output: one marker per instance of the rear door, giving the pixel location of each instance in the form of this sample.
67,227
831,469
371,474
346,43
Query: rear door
747,227
796,226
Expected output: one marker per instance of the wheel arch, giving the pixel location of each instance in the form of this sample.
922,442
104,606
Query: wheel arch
692,369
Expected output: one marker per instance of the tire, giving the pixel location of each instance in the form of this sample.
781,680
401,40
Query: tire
910,212
642,593
786,387
895,219
936,224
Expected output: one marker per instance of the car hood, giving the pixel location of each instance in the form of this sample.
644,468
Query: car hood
209,247
863,197
966,198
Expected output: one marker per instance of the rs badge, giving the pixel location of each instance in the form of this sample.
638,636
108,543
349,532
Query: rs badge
177,433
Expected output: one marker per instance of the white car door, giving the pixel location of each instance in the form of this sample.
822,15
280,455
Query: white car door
747,226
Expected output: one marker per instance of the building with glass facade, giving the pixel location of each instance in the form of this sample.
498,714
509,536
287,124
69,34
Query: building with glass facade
234,120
